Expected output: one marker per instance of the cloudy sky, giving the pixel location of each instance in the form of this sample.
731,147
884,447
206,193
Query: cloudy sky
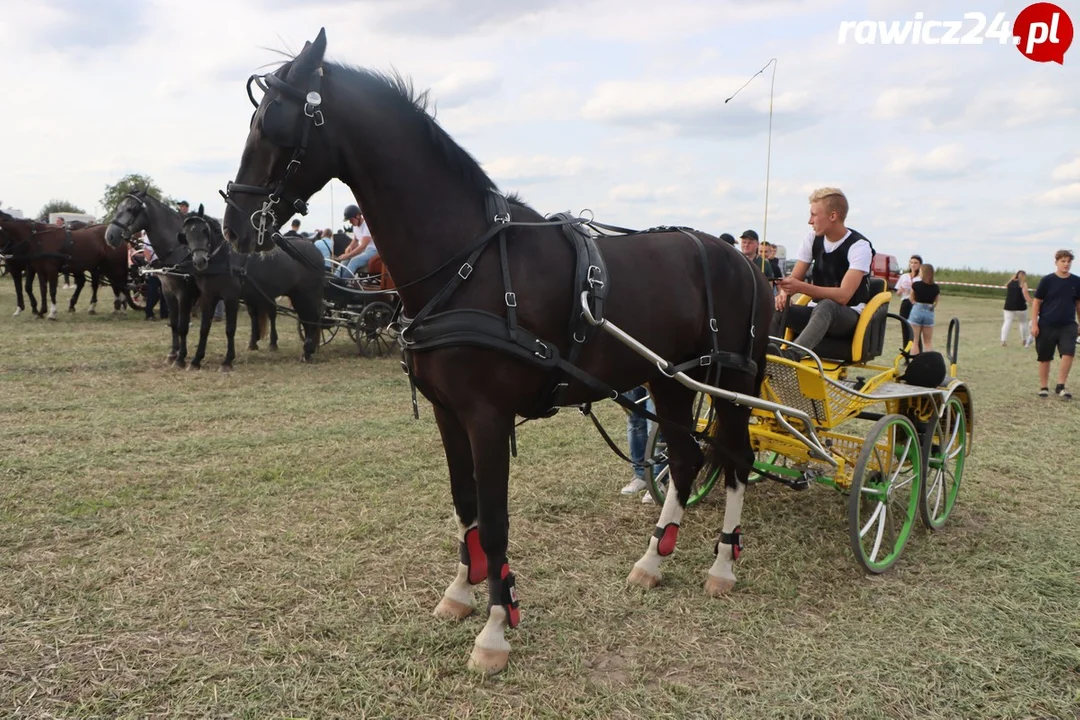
967,154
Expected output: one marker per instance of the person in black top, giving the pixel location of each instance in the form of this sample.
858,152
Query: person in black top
1017,299
294,229
1053,322
841,259
924,298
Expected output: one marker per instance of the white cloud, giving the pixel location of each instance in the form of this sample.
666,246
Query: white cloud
896,102
1066,195
641,192
944,161
538,168
1068,171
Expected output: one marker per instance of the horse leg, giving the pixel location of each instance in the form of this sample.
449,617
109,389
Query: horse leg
30,274
204,332
457,600
95,280
54,280
734,433
232,308
20,303
489,438
253,313
308,314
80,283
271,311
674,403
174,325
186,302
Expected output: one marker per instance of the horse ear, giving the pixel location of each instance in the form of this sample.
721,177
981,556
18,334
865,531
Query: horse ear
309,58
200,213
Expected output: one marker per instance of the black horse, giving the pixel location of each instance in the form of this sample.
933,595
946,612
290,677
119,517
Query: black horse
223,274
17,267
142,211
486,329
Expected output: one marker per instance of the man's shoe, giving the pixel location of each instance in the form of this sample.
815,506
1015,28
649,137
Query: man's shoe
634,486
1062,393
1044,392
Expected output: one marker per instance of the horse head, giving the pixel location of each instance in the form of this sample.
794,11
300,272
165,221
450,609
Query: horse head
130,217
285,159
203,237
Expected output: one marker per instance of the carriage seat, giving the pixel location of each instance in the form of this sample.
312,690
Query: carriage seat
868,341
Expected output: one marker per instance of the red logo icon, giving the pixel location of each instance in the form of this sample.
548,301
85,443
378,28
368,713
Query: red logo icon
1043,32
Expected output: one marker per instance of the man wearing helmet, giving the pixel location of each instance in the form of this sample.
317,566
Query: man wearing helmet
362,248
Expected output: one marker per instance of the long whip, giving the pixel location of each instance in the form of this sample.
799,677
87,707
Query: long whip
768,151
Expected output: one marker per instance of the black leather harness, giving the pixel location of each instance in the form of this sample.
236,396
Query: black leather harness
430,329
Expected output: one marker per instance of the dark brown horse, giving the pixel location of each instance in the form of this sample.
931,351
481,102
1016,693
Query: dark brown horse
493,296
52,249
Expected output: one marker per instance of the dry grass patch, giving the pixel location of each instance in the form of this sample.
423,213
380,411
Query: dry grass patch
271,544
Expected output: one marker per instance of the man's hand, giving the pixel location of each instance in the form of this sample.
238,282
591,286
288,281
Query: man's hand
1034,330
781,301
790,286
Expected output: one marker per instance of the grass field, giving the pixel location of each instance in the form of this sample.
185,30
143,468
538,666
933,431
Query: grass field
271,543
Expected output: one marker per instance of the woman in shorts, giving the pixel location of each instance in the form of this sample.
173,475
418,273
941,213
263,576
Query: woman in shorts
924,299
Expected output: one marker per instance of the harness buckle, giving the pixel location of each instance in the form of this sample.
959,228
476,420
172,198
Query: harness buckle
705,360
583,338
713,325
293,164
319,121
594,276
503,218
511,299
543,353
465,271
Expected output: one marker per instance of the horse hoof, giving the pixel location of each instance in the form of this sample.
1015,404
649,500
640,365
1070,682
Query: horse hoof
194,366
273,348
489,662
226,369
718,586
71,309
91,312
449,609
640,578
253,347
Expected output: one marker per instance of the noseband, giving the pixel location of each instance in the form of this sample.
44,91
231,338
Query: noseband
264,219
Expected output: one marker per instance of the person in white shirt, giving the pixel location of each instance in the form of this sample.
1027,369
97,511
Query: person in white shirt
841,268
903,285
362,248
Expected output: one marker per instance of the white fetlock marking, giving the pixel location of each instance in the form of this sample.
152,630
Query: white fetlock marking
723,566
493,636
18,312
52,310
93,307
460,590
672,512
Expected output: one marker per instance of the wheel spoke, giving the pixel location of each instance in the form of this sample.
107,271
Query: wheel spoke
880,532
873,516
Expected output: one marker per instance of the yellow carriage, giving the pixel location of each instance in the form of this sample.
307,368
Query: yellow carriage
843,418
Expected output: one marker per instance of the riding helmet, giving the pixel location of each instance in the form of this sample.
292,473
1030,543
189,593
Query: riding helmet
351,211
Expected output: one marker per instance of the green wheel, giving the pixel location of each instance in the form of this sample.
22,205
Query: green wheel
945,449
885,492
658,475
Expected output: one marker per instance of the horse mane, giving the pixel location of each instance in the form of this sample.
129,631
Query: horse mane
398,93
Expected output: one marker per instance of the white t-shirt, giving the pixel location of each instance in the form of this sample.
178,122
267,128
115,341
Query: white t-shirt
903,286
359,231
859,256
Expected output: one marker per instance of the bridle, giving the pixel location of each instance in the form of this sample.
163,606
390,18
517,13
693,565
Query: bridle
264,218
210,253
128,229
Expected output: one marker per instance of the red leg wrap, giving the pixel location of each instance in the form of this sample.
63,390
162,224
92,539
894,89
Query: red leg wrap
510,597
667,536
473,557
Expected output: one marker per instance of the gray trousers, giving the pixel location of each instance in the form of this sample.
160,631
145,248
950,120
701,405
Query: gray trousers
812,324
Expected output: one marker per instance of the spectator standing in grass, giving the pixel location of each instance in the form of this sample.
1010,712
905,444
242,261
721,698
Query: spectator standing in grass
1053,323
1017,299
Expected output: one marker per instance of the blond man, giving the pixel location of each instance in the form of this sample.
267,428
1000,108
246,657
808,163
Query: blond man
841,259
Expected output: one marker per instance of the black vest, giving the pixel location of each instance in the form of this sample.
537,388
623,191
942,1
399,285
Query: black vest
829,268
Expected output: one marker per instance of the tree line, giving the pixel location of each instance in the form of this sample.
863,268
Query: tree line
110,200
